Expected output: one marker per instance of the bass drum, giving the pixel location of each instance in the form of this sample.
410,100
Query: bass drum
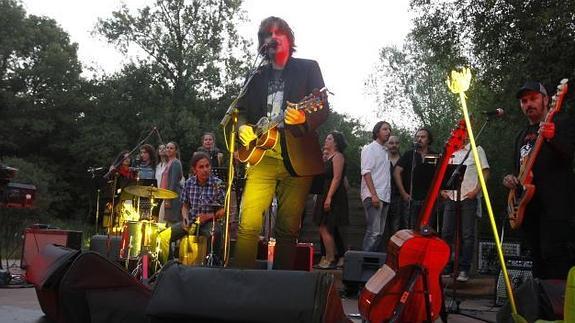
193,250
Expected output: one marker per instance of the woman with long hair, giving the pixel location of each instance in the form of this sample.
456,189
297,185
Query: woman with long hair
209,147
171,180
147,162
331,210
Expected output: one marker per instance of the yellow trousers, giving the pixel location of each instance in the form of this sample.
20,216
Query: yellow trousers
267,178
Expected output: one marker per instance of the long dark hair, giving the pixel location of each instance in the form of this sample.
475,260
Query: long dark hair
151,152
429,135
339,139
282,25
377,127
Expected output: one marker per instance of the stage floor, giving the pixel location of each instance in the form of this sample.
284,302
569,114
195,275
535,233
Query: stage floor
20,304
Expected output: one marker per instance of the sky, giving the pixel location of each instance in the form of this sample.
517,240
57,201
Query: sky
343,36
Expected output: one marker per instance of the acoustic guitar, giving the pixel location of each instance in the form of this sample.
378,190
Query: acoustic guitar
407,288
520,196
266,129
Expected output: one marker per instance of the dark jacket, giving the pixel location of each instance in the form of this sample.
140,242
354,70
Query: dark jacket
300,147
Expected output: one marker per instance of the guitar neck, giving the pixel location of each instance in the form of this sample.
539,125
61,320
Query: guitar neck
530,162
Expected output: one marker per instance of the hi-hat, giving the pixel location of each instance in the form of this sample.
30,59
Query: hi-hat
151,191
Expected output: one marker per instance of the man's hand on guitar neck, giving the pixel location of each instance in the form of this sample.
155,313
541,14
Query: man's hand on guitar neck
510,181
294,116
246,134
547,130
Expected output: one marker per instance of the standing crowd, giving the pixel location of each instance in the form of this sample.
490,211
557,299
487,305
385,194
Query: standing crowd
394,186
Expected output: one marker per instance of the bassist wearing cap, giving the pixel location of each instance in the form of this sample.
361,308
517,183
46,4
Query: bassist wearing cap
542,187
283,152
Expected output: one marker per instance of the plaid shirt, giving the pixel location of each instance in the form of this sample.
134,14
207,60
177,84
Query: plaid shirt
202,198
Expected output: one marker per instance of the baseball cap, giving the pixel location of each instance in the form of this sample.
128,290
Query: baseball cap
531,86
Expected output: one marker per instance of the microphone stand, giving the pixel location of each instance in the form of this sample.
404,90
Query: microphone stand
410,224
229,123
456,179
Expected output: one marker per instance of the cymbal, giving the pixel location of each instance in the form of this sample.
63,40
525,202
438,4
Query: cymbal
151,191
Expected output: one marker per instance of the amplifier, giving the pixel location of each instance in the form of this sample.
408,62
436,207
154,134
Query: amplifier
488,260
35,239
519,270
359,266
18,195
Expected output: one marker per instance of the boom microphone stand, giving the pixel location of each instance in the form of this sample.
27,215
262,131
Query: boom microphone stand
229,123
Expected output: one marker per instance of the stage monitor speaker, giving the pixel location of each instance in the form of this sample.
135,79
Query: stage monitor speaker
200,294
537,300
519,270
97,290
35,239
45,273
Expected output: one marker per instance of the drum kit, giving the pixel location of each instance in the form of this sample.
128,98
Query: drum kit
140,237
140,243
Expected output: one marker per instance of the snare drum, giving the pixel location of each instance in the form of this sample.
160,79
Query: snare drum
131,239
193,250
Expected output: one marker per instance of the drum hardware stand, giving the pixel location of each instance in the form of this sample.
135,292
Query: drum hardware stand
129,252
211,258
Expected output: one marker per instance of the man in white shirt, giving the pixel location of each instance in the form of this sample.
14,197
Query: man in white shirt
470,193
375,185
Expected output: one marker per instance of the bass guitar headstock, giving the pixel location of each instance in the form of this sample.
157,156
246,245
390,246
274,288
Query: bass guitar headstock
557,98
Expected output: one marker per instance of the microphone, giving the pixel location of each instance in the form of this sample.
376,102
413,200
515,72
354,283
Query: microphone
272,44
94,169
415,144
499,112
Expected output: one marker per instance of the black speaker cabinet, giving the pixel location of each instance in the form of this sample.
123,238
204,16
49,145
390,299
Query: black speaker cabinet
200,294
106,246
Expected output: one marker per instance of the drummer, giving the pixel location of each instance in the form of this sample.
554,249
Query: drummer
202,200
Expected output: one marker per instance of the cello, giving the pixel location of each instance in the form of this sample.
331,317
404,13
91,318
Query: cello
407,287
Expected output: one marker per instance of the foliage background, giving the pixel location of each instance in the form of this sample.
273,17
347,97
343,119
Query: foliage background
188,62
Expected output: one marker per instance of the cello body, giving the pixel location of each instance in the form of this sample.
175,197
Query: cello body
406,250
407,288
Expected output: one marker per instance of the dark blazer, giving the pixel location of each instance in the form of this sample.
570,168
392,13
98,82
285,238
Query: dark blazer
301,151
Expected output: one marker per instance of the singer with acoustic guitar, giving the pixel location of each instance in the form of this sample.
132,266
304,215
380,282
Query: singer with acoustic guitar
549,216
288,166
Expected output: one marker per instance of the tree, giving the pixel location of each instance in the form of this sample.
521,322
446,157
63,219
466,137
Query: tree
39,96
188,58
191,48
505,42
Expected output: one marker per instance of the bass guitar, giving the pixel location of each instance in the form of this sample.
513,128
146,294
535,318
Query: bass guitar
407,288
266,130
520,196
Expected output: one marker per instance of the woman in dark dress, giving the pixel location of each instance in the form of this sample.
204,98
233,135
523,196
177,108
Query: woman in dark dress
331,209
